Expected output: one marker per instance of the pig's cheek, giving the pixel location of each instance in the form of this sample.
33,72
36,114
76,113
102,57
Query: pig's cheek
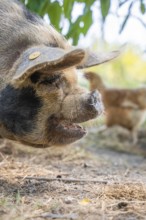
19,109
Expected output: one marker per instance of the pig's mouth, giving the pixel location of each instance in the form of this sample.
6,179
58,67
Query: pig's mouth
65,132
69,128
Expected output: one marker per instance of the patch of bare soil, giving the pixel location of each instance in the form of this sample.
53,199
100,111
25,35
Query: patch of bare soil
84,181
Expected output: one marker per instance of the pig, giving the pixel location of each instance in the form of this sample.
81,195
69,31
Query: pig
124,107
41,103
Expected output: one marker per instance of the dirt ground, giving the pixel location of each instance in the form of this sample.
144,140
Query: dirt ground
113,186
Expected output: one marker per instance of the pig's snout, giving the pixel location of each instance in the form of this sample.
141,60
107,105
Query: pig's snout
94,103
94,98
82,107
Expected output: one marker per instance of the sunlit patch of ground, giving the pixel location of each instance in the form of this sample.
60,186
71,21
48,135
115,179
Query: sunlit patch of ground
118,194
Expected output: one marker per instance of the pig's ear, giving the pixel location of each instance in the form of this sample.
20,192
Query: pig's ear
45,60
96,59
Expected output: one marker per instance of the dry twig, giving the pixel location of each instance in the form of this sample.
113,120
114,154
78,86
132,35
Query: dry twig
58,216
65,180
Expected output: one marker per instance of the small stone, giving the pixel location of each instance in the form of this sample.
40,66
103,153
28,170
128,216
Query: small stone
68,200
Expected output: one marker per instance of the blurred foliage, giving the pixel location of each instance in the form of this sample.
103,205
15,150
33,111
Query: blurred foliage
127,71
60,11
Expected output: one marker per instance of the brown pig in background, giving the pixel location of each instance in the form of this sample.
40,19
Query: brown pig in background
40,101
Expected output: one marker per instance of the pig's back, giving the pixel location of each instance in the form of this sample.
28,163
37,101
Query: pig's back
19,30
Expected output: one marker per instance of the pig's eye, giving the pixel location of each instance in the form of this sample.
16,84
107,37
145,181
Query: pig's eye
35,77
50,80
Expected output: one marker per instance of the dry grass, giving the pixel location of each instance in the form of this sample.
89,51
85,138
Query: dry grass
123,197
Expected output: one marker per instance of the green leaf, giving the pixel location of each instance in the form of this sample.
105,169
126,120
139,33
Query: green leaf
23,1
43,8
68,7
54,11
105,6
75,30
142,7
35,5
87,20
89,3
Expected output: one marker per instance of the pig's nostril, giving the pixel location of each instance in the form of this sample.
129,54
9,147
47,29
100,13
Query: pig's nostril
95,97
95,103
94,93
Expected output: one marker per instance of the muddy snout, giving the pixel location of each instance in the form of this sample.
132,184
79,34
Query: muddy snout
94,103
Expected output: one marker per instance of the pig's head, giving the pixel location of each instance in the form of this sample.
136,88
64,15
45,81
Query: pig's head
95,81
42,104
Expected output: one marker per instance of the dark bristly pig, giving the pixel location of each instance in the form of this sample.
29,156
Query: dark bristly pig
40,100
